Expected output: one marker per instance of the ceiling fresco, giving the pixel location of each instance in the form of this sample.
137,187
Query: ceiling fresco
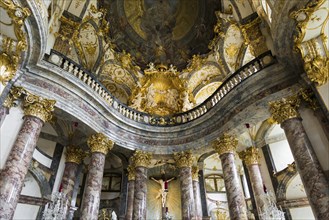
162,32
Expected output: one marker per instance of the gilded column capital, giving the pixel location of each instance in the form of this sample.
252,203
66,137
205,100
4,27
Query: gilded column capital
141,158
131,172
285,109
14,94
99,143
38,107
74,154
184,159
195,173
250,156
225,144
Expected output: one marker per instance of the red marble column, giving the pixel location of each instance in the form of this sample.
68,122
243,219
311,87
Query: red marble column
99,145
131,191
226,147
37,111
184,161
141,160
316,185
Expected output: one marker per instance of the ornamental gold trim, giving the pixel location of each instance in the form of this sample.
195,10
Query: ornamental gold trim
131,172
195,173
99,143
317,69
141,159
38,107
285,109
184,159
74,154
225,144
14,94
250,156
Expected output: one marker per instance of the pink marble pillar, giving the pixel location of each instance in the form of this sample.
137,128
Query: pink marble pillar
74,156
196,192
131,191
226,147
99,145
184,161
3,113
141,161
37,111
316,185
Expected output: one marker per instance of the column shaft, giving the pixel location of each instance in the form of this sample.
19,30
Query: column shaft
308,166
197,199
257,185
3,114
140,194
16,166
235,198
130,202
68,179
187,197
91,200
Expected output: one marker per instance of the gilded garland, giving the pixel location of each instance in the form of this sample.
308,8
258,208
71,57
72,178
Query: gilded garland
225,144
99,143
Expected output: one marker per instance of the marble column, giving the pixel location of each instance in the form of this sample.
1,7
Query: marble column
184,161
226,147
141,161
316,185
131,190
196,192
251,158
36,112
14,94
73,157
99,146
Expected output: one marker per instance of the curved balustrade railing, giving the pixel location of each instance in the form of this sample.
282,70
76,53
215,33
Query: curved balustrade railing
230,83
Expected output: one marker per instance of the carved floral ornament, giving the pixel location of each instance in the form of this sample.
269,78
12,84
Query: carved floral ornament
14,94
285,109
184,159
99,143
74,154
225,144
250,156
141,159
38,107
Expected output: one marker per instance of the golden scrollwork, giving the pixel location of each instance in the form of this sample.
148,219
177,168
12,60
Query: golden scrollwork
317,69
254,37
250,156
195,63
38,107
184,159
195,173
14,94
308,96
99,143
225,144
74,154
285,109
141,158
131,172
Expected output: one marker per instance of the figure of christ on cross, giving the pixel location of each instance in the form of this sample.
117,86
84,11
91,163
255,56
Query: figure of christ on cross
163,191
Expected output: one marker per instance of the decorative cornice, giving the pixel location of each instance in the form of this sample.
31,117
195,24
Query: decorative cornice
225,144
74,154
38,107
195,173
131,172
250,156
285,109
99,143
141,159
184,159
14,94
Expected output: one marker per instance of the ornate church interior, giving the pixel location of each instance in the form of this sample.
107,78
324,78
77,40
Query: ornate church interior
164,109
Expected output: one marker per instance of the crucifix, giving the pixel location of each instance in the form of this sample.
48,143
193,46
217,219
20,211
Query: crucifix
163,191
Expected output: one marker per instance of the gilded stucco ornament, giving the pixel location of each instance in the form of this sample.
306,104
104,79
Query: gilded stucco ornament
317,69
195,173
184,159
225,144
14,94
285,109
250,156
308,96
99,143
74,154
131,172
38,107
141,159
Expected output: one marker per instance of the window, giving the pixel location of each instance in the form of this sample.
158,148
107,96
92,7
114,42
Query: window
111,182
215,183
